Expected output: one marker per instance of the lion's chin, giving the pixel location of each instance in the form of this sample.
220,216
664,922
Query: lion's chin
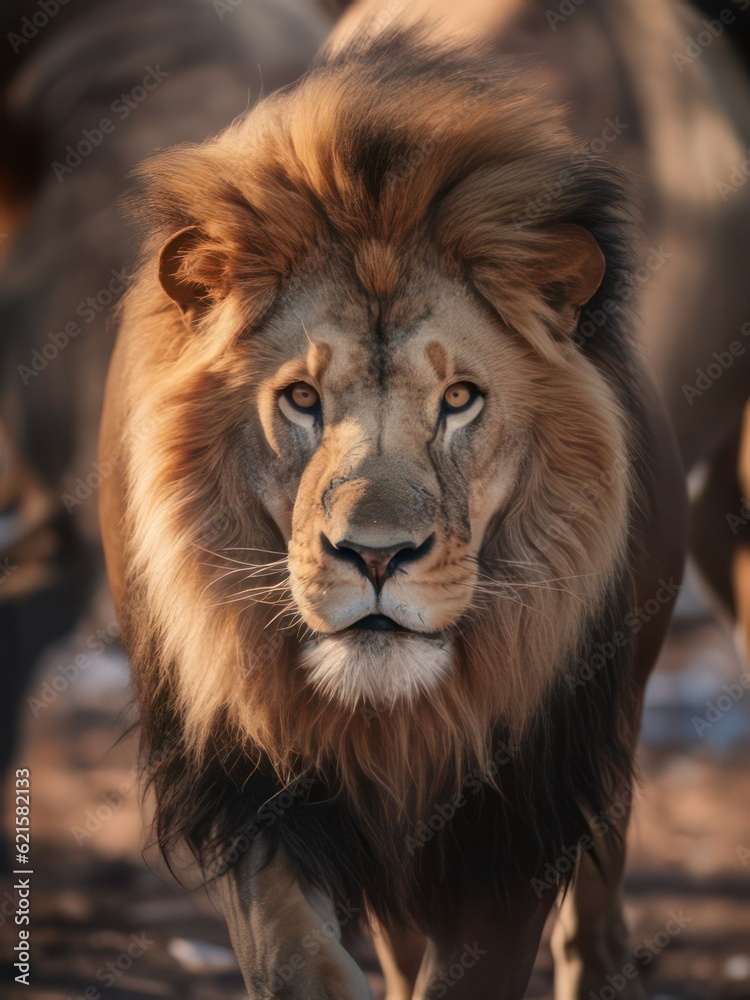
376,668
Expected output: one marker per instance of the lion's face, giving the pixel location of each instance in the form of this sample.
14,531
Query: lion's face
397,435
353,344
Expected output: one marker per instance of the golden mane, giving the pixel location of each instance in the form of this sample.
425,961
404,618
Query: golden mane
345,159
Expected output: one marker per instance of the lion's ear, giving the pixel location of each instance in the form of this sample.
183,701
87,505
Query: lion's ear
175,278
582,263
577,268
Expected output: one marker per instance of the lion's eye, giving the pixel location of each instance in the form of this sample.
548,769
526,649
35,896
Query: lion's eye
459,397
303,397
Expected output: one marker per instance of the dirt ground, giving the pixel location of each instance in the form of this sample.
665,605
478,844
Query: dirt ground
108,921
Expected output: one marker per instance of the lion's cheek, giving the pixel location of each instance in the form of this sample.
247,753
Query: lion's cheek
489,494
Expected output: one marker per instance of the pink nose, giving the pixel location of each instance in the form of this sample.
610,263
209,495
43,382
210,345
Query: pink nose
377,564
377,561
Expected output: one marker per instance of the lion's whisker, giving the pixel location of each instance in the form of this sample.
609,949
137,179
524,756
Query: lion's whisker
528,607
250,548
265,588
502,562
232,572
258,569
239,600
515,585
288,610
218,555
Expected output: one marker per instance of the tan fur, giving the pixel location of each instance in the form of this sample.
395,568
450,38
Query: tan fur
377,267
183,390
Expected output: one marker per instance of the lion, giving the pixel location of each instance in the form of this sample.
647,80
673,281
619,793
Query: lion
393,537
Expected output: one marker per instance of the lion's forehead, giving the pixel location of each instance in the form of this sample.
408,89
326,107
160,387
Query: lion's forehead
418,338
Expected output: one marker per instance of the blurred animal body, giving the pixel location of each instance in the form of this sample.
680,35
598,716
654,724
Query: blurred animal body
402,536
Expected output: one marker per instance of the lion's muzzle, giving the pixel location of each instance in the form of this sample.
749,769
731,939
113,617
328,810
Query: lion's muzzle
368,575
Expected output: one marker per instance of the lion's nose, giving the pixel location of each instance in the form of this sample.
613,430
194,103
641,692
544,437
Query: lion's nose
377,564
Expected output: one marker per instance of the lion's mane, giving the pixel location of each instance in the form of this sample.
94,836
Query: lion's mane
387,144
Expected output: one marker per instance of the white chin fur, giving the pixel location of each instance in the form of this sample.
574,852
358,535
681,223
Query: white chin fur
377,668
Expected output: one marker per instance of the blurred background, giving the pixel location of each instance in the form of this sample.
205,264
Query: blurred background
89,88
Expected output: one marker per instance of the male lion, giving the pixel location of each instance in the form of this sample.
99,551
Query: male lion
386,517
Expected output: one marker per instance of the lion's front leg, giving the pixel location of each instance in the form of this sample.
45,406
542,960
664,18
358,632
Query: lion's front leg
487,953
400,952
590,942
287,941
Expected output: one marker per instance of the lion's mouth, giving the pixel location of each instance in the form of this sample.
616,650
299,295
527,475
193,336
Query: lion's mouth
377,623
382,623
